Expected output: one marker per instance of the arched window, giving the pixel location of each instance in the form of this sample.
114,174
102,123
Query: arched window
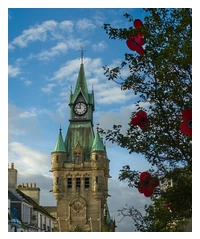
77,158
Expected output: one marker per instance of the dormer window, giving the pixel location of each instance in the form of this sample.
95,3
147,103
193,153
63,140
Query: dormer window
77,158
77,154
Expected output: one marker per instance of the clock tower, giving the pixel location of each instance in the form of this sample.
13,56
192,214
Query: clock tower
80,168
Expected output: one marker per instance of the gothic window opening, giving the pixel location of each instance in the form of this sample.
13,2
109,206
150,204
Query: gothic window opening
96,179
69,183
87,183
77,158
78,183
57,180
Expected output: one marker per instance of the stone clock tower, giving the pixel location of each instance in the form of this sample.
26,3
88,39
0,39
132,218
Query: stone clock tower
80,168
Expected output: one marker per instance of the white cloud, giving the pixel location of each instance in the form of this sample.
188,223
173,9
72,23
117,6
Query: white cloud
101,46
120,116
48,88
60,48
109,93
55,31
14,125
35,33
50,54
65,72
144,105
27,82
85,24
28,114
10,47
63,109
13,71
22,122
106,92
28,160
66,26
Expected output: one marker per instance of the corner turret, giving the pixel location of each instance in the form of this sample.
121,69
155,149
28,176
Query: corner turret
60,146
59,156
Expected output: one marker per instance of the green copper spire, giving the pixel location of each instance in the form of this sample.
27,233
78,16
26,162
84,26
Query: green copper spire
81,85
97,143
59,147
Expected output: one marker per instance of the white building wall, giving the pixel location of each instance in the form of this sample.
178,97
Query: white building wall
45,223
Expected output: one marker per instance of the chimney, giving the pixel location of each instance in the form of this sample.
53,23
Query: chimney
12,178
12,165
32,191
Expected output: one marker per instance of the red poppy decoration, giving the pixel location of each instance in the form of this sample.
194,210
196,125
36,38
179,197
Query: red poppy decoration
147,184
186,124
140,119
135,43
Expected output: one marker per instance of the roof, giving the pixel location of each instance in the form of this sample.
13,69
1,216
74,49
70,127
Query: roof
97,143
59,147
83,133
14,197
81,84
35,205
108,218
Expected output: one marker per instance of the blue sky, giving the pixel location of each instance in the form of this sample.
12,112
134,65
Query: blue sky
43,64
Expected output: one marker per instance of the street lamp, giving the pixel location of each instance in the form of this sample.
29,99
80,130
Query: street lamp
14,222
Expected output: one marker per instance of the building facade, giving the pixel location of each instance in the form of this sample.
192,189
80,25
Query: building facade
80,168
23,207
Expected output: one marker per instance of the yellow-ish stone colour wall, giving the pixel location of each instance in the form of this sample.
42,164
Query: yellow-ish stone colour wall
80,209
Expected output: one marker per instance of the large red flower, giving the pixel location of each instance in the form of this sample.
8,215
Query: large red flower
137,23
135,43
186,124
147,184
140,119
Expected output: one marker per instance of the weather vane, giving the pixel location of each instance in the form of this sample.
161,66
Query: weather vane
82,52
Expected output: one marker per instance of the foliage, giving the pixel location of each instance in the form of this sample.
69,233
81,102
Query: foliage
162,80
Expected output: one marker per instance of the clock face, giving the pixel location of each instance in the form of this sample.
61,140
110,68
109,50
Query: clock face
80,108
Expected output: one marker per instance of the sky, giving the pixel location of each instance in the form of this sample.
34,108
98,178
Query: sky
43,64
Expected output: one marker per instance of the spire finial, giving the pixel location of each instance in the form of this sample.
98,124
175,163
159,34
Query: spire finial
82,52
60,129
97,126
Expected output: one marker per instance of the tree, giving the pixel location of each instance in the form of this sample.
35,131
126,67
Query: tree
162,79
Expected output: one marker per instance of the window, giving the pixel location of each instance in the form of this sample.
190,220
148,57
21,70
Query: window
96,157
41,221
45,222
69,183
57,180
44,227
78,183
87,183
57,159
77,158
96,179
49,225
